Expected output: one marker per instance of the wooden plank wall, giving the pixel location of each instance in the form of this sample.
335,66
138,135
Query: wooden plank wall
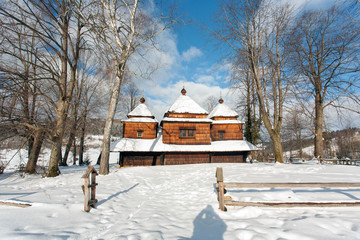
171,133
185,158
224,118
185,115
131,128
131,159
237,157
232,131
140,159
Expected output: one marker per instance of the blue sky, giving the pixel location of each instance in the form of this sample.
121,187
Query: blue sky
187,59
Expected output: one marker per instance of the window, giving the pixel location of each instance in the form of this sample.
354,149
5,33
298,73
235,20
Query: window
140,133
187,133
221,135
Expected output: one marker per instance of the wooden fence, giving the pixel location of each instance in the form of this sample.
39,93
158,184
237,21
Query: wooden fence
227,200
340,161
89,188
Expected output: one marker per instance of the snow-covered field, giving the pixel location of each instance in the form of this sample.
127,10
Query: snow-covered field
178,202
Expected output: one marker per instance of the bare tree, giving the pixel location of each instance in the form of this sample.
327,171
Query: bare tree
61,44
22,108
122,28
247,102
295,128
132,94
348,143
210,103
256,29
326,52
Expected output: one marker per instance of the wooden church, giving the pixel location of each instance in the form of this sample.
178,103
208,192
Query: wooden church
187,134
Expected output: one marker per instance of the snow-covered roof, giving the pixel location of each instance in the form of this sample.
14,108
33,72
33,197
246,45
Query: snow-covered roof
197,120
222,110
226,122
185,104
157,145
140,111
140,119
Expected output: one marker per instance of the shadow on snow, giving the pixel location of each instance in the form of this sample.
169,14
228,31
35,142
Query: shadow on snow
208,225
116,194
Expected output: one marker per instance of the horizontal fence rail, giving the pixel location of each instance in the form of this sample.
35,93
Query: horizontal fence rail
291,185
227,200
340,161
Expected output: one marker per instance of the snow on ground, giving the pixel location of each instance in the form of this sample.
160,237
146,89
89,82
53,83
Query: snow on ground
178,202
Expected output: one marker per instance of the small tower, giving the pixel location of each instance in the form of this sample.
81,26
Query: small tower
186,122
141,123
225,125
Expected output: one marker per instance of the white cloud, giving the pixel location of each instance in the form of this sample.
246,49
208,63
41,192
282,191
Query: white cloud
165,84
191,53
310,3
199,92
206,79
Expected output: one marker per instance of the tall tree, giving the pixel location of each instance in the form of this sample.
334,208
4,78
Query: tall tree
325,50
61,49
121,28
294,128
21,110
247,102
132,95
255,30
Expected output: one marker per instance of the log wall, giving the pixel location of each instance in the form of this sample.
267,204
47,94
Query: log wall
139,159
224,118
171,133
185,115
231,157
131,130
186,158
232,131
152,117
131,159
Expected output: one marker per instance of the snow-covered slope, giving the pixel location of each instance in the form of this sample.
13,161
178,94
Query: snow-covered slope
178,202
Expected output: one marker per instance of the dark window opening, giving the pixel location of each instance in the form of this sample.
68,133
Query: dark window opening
221,135
187,133
140,133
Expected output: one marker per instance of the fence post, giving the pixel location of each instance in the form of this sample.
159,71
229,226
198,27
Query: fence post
221,190
89,188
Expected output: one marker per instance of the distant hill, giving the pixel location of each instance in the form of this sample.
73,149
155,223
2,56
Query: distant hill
343,143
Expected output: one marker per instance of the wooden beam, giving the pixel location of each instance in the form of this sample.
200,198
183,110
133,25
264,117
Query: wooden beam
15,204
293,204
220,188
290,185
221,197
219,174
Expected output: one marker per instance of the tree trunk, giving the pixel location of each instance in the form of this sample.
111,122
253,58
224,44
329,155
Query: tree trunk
82,141
248,123
105,149
65,95
55,156
278,150
35,151
318,126
69,144
30,141
74,151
